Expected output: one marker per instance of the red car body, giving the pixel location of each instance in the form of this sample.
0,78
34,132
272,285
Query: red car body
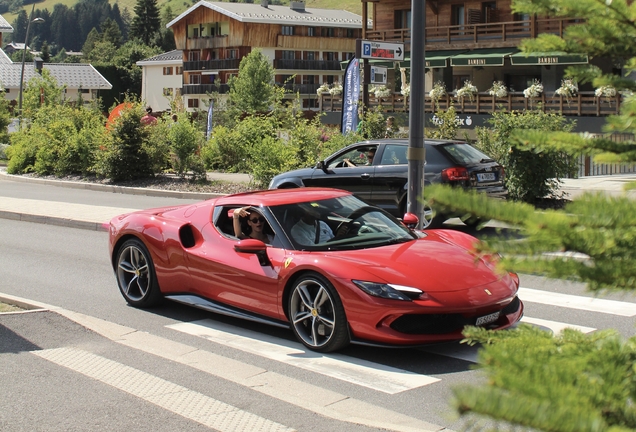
197,260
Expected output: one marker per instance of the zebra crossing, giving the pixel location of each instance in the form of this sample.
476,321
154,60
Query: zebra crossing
367,374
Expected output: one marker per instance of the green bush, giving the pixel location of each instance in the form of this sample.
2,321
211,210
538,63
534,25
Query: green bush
60,140
271,156
531,175
372,124
447,125
186,142
128,152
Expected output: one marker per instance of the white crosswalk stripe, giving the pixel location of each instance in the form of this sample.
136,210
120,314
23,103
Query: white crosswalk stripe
364,373
589,304
172,397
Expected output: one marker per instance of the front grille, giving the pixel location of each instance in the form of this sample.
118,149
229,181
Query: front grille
442,323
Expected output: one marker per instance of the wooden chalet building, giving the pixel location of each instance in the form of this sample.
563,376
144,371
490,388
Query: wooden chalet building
477,41
305,45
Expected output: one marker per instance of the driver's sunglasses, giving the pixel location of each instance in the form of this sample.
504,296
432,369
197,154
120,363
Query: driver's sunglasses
256,220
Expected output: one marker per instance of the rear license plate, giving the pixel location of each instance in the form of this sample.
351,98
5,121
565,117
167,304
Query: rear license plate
487,319
486,177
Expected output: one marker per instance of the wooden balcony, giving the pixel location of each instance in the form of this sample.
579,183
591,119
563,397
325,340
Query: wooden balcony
207,42
201,89
318,65
488,35
583,104
202,65
303,89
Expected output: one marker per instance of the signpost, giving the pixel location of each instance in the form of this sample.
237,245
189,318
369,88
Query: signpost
366,49
378,75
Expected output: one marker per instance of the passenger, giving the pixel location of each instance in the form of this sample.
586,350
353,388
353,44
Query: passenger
253,225
310,230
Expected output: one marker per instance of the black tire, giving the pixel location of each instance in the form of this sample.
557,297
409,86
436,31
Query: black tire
316,314
136,276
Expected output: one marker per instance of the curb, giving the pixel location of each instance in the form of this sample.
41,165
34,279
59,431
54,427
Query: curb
111,188
52,220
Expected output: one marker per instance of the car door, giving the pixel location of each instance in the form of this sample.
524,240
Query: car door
391,175
239,279
336,174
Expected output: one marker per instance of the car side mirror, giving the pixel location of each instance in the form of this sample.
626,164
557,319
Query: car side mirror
321,165
256,247
410,220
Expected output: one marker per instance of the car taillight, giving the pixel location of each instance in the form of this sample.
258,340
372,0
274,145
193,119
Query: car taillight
455,174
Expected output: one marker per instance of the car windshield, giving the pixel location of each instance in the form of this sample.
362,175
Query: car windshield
343,223
465,154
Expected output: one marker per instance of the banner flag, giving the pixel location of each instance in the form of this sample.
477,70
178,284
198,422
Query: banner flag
350,96
210,109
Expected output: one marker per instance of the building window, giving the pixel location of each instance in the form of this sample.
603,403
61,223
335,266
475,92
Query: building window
194,56
309,79
195,33
310,103
311,31
167,91
310,55
84,90
457,14
288,55
232,54
330,56
179,70
288,30
351,33
489,12
328,32
167,70
195,79
348,55
403,19
193,103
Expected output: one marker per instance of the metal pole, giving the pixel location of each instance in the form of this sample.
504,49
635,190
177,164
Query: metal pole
26,39
416,154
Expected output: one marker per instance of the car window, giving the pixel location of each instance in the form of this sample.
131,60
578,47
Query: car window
394,155
357,155
225,224
465,154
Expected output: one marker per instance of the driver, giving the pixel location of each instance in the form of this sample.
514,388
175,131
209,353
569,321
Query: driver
370,156
309,229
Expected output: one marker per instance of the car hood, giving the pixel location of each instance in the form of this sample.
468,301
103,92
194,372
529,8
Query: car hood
431,264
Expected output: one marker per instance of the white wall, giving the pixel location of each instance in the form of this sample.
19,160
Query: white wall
153,83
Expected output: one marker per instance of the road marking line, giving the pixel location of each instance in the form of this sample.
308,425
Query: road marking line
298,393
589,304
556,326
356,371
172,397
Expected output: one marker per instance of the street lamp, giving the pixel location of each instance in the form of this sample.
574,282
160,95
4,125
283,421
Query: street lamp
26,40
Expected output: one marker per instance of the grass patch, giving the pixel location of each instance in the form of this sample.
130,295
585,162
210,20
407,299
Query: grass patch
5,307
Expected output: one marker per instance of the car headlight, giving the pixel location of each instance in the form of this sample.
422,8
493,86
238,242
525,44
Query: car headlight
389,291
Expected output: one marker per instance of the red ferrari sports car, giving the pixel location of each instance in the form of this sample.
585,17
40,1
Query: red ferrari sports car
320,261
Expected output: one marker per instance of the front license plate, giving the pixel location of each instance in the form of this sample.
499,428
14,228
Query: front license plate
486,177
487,319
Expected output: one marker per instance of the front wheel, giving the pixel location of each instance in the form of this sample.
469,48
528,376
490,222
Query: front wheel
136,275
316,314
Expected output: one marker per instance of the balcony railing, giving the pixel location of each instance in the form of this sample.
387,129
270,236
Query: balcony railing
474,35
583,104
219,64
207,42
327,65
303,89
191,89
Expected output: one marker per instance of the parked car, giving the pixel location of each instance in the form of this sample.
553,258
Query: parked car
382,181
363,278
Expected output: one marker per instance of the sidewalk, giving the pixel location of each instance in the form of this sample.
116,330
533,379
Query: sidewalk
96,217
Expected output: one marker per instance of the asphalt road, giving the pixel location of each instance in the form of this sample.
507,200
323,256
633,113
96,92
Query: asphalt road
69,268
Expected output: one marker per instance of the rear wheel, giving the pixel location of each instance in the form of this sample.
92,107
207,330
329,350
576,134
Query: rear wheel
316,314
136,275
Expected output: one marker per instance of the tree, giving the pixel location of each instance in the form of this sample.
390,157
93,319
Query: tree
253,90
46,55
571,381
93,38
146,23
111,32
41,90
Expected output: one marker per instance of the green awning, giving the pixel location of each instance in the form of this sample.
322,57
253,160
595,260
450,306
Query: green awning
547,58
439,59
484,57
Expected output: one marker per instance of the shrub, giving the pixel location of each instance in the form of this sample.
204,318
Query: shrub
186,142
372,124
530,174
271,156
447,125
127,150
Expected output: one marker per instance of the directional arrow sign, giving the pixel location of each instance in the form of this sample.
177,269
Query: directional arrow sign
380,50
